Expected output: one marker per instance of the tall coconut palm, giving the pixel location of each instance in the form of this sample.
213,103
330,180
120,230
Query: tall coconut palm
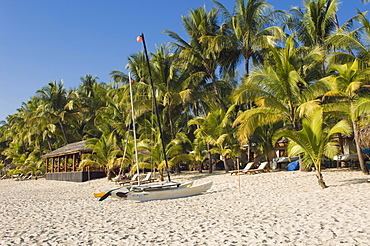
315,141
201,61
216,130
169,83
279,88
315,24
346,85
248,30
87,101
54,97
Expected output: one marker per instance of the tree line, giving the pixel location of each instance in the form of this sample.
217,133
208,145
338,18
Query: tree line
304,79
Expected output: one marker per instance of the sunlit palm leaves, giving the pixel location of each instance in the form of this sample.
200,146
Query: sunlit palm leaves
315,141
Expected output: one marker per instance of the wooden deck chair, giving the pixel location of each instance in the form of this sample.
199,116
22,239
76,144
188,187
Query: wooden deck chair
242,171
134,178
148,179
263,167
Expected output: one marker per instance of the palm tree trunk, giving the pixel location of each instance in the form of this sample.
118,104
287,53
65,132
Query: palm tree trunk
209,159
358,148
246,65
196,111
227,169
171,123
62,128
49,144
216,91
294,123
200,167
321,180
161,175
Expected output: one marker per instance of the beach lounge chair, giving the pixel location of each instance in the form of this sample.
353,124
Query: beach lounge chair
123,182
148,179
263,167
242,171
29,177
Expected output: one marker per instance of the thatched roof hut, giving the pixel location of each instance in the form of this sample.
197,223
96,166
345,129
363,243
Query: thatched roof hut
69,149
63,164
60,157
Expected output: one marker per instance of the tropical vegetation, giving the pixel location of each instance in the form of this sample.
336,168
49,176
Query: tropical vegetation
304,78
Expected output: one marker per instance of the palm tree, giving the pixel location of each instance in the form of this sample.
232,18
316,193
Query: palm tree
346,85
216,130
315,24
104,154
169,83
279,88
315,141
248,31
154,155
178,150
189,151
54,98
200,60
264,138
86,102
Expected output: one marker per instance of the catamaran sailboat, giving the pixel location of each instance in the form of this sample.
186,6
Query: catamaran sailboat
166,190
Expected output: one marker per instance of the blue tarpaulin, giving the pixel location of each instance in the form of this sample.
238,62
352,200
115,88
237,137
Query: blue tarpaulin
293,166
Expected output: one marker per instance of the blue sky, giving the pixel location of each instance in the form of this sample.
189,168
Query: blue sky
43,40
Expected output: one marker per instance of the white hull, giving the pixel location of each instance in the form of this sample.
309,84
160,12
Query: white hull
170,193
122,192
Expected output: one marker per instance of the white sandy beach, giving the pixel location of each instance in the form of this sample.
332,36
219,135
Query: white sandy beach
277,208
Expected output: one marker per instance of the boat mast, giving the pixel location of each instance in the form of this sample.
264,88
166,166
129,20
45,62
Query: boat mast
134,129
141,38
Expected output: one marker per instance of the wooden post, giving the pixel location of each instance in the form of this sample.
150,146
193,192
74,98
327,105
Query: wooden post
46,165
65,163
238,163
74,163
53,165
59,159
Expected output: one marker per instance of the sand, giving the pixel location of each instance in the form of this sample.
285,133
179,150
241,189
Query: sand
276,208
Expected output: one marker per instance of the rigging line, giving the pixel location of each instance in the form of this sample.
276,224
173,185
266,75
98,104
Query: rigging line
152,137
134,129
124,151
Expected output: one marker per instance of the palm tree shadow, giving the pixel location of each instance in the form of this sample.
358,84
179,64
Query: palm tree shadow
351,182
197,176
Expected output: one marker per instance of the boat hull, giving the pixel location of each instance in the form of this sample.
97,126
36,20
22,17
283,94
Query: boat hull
170,193
122,191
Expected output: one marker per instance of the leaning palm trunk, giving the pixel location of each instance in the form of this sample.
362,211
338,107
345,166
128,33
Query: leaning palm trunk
62,129
210,159
321,180
227,169
359,150
161,175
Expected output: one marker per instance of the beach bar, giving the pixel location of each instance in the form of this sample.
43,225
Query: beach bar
63,164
